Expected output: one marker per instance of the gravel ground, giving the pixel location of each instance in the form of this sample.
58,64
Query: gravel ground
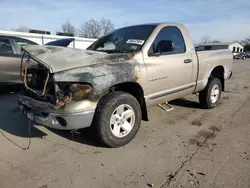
187,147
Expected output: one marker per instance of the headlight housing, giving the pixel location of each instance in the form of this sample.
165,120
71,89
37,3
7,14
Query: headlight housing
80,91
65,92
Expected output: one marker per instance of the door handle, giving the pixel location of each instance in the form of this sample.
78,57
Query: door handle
187,60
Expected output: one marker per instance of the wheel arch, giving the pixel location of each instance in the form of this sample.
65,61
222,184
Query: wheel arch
218,72
135,90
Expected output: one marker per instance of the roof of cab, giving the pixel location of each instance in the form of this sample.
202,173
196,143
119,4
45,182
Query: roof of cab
157,24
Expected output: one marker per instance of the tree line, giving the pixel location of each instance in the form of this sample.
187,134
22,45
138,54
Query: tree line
98,28
207,39
90,29
246,44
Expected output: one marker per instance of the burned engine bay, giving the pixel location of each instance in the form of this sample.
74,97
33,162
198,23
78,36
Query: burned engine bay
40,85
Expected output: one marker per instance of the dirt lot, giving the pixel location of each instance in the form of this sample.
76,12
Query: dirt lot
187,147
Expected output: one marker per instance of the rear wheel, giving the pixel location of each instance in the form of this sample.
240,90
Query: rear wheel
243,58
210,96
117,119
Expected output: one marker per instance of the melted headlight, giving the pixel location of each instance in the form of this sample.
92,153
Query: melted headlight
65,92
80,91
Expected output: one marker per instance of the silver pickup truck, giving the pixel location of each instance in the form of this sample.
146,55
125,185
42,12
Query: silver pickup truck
111,85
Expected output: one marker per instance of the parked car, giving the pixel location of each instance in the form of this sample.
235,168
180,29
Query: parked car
239,55
247,54
113,83
10,58
11,54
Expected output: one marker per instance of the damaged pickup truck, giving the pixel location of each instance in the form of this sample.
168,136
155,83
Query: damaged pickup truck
111,85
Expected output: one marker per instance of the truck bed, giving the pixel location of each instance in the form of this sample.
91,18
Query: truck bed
210,59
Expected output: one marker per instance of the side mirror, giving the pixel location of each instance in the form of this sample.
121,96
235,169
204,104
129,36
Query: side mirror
164,46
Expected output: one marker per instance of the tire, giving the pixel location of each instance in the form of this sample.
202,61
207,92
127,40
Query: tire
205,98
243,58
108,107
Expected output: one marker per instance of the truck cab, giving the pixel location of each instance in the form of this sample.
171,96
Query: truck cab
171,63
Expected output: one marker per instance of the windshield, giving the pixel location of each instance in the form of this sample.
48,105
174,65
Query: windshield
127,39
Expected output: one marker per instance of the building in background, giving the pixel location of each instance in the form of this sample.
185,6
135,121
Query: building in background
232,46
41,39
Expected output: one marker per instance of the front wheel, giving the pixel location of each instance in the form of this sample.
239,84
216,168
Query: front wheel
210,96
117,119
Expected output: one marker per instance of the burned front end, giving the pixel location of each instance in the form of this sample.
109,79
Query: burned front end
60,105
62,86
38,81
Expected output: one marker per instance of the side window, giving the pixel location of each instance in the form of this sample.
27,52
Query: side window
170,34
22,42
5,47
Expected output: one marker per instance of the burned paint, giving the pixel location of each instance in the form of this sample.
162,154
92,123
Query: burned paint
98,69
101,76
61,59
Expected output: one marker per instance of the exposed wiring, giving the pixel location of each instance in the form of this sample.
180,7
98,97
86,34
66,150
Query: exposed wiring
66,146
45,85
25,80
72,134
29,135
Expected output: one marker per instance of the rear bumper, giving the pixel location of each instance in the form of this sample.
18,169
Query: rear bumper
63,121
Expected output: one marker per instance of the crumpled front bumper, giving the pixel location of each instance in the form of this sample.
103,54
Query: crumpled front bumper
41,113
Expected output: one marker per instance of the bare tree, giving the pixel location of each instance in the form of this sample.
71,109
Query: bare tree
69,28
245,41
96,29
246,44
248,40
107,26
90,29
216,41
205,39
21,28
236,41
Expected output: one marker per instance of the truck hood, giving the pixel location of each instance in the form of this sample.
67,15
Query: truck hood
59,59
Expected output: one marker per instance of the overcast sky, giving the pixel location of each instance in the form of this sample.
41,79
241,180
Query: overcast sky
224,20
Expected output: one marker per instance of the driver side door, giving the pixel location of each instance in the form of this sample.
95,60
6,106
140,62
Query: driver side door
169,70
